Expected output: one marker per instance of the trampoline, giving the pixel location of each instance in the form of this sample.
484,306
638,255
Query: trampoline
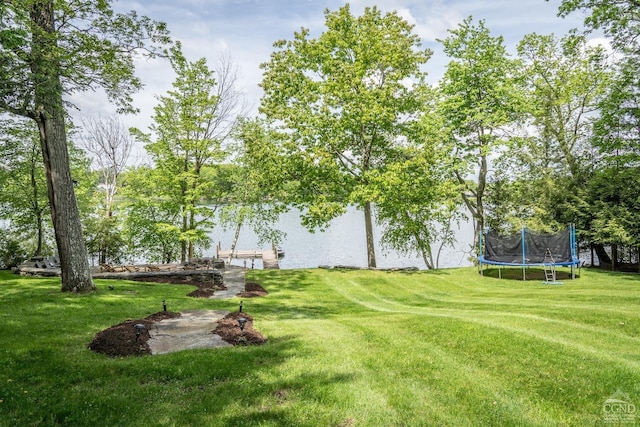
530,249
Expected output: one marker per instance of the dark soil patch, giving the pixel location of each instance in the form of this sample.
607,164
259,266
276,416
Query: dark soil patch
253,290
230,331
121,340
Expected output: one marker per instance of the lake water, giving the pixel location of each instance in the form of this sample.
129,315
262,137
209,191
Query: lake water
342,243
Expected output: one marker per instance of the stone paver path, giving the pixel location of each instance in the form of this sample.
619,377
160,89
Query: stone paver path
193,329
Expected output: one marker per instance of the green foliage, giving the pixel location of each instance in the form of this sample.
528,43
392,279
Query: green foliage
617,129
95,47
12,251
618,18
540,180
615,206
151,215
416,207
565,81
105,240
23,187
480,101
417,196
345,102
345,99
54,48
258,193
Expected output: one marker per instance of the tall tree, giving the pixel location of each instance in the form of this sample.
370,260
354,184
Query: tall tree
617,142
613,215
110,145
192,123
417,205
481,104
51,49
566,79
344,99
23,188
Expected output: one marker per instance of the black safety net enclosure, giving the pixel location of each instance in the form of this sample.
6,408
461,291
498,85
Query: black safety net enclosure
528,248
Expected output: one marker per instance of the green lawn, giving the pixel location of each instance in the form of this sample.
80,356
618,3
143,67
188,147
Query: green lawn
346,348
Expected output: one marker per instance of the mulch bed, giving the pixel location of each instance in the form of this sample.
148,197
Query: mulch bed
230,331
121,341
252,290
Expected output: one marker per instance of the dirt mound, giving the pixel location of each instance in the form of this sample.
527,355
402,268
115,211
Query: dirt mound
122,339
253,290
229,329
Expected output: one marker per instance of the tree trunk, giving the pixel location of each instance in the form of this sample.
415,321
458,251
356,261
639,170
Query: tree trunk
36,208
183,243
479,213
74,263
235,238
614,257
368,224
192,226
40,228
49,115
603,256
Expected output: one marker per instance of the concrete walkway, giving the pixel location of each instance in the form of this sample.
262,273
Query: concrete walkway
193,329
233,280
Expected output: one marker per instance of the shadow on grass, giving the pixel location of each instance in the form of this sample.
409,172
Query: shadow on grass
273,406
239,386
79,388
617,274
531,274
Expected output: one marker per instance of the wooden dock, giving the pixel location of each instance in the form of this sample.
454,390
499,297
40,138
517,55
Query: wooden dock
269,257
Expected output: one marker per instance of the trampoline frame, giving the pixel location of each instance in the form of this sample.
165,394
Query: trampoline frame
524,264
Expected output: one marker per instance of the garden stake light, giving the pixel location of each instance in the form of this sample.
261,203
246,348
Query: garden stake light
242,339
164,305
139,328
241,322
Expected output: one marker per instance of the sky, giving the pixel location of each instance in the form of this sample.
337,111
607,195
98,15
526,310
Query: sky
245,30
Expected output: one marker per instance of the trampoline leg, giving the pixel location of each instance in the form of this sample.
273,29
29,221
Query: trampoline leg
524,274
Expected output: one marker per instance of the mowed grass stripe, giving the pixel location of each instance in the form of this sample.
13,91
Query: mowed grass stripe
605,343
